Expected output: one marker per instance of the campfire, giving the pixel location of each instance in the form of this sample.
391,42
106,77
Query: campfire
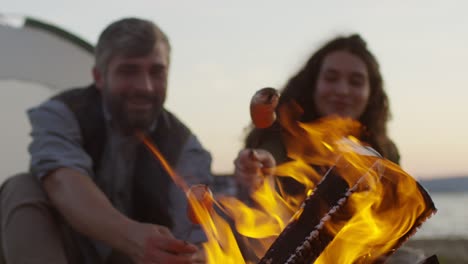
360,210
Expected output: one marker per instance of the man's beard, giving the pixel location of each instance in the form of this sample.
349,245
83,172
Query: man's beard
130,120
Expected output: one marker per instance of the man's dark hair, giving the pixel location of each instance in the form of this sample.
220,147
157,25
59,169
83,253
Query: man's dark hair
131,37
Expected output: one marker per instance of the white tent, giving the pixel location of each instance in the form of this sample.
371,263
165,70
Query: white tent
36,60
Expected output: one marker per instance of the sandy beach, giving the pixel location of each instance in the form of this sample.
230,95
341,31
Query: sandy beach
448,251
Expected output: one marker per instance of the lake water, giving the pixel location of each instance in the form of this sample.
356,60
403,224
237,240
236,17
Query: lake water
451,219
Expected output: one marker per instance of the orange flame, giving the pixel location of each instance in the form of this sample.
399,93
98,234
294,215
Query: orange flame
150,145
384,207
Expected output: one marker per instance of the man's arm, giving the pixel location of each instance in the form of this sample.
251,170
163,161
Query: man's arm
89,212
64,168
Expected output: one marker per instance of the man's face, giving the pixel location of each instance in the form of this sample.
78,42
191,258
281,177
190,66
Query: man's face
134,88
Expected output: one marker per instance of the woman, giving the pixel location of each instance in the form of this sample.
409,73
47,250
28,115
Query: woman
341,78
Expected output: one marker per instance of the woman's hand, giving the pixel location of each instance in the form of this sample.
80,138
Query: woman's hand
252,166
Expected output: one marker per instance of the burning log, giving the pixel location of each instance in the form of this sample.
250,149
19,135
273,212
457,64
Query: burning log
307,236
303,240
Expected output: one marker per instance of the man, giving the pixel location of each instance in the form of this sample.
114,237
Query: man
95,194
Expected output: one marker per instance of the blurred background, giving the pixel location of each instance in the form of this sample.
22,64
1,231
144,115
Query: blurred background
223,52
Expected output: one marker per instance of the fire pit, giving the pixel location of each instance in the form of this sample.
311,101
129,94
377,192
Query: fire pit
329,229
360,211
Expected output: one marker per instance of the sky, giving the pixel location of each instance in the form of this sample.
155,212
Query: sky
224,51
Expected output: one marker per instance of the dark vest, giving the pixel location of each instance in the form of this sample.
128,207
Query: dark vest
150,180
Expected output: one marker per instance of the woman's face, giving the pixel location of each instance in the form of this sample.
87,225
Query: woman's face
342,86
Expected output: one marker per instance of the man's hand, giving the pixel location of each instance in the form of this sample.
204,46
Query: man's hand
155,244
199,257
252,166
94,216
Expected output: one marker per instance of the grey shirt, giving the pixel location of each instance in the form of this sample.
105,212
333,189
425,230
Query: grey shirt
57,142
